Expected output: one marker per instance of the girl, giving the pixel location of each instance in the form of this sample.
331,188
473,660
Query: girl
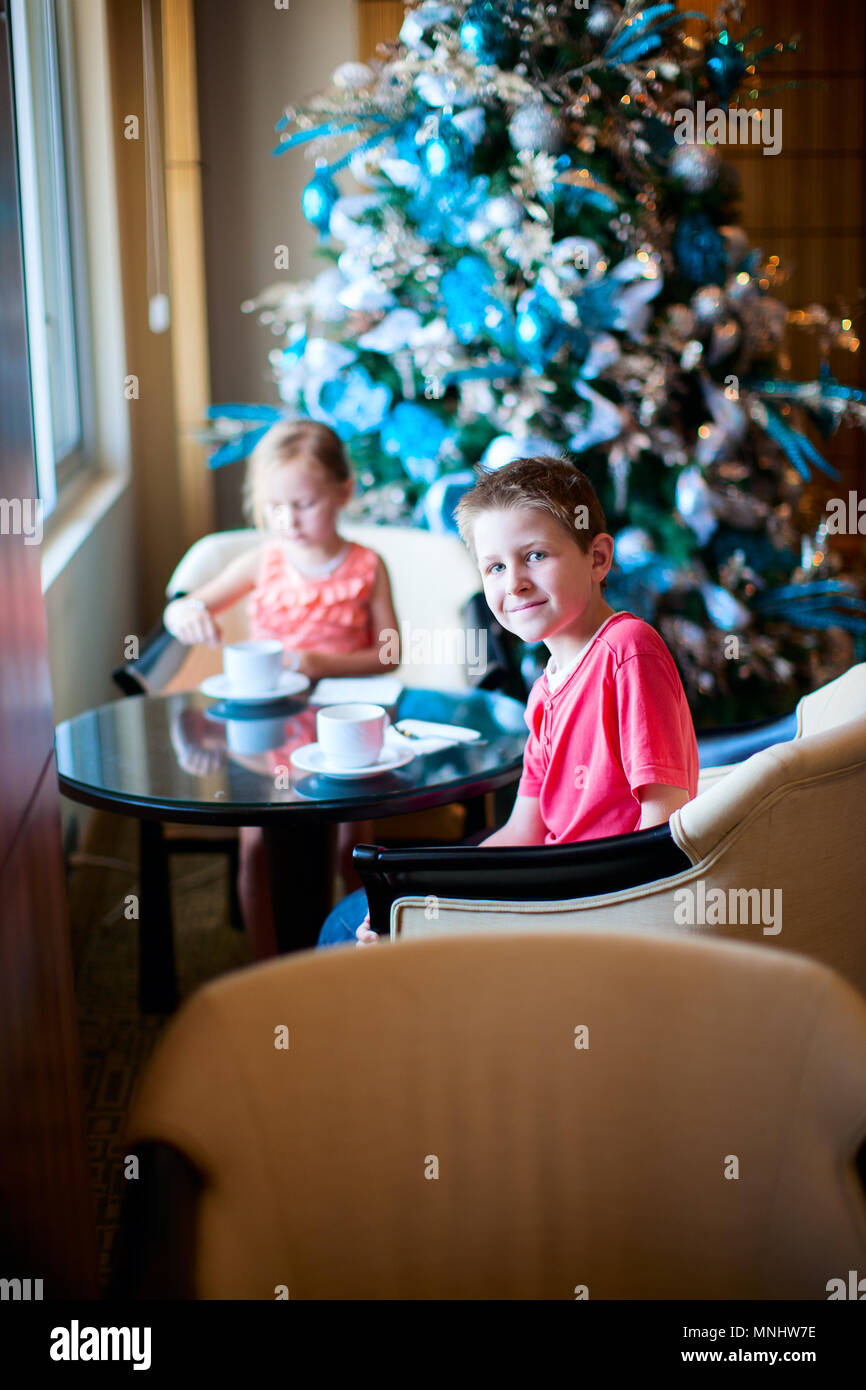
327,600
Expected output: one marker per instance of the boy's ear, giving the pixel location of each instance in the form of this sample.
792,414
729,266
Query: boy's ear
601,550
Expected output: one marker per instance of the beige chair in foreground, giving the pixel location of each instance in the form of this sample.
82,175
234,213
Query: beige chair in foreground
779,840
607,1116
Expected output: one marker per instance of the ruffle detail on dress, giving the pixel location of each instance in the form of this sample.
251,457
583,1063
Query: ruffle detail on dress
314,613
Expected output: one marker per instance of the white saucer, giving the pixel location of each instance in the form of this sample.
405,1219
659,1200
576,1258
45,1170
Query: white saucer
220,688
310,758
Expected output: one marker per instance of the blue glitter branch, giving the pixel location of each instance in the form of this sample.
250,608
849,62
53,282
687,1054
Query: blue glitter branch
800,450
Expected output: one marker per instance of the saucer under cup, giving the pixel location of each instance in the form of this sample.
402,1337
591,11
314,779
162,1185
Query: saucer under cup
253,667
351,735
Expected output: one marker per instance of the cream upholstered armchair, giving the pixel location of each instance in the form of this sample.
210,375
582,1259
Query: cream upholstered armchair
771,851
532,1118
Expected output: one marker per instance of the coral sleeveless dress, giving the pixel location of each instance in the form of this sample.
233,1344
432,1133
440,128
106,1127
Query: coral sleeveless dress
327,613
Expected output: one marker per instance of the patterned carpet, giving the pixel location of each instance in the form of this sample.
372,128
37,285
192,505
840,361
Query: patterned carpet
116,1039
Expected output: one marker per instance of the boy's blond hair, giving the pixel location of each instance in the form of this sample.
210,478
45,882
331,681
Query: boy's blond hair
285,442
550,485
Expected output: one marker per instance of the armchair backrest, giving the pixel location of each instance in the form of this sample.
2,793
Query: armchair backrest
775,856
837,702
532,1115
432,579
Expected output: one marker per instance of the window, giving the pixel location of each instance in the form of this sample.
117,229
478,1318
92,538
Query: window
52,227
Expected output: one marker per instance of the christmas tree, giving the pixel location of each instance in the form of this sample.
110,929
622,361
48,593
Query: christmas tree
543,257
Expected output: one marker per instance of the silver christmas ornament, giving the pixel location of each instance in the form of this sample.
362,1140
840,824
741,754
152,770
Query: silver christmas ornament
350,76
601,19
694,166
708,304
535,128
504,212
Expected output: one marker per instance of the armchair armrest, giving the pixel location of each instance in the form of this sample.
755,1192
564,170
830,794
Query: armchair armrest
527,874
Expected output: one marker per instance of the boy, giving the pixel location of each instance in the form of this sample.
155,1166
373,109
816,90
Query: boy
611,745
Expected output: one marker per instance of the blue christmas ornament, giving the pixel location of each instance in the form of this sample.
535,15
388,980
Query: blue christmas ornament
723,610
483,33
599,306
443,210
354,404
318,199
470,307
539,329
446,151
505,448
633,548
415,434
699,250
442,497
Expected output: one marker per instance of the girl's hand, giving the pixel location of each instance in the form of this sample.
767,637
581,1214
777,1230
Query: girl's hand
190,621
366,936
307,663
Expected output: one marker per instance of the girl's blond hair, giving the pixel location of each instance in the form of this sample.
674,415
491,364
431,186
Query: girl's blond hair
284,442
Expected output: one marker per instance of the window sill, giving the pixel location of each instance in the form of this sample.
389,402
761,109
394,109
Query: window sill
66,533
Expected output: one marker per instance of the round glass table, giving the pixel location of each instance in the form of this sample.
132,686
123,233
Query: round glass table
188,759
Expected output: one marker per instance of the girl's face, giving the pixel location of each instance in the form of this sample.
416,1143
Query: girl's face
300,501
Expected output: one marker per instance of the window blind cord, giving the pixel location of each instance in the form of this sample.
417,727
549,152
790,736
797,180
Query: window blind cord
158,310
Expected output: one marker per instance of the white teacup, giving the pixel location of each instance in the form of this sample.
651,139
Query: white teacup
351,735
253,668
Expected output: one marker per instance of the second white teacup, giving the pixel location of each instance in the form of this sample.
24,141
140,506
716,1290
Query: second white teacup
253,668
351,735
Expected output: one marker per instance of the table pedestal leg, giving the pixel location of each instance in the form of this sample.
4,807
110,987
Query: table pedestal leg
299,868
157,985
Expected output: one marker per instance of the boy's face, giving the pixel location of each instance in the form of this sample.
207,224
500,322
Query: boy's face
537,581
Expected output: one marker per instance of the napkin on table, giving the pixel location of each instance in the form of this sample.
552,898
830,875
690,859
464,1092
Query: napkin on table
429,737
350,690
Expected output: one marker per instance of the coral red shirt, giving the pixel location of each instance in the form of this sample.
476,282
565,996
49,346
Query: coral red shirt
618,722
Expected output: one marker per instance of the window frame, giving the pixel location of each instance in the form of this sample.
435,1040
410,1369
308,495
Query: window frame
58,475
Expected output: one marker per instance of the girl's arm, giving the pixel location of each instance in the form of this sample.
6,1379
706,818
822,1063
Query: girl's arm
383,655
191,618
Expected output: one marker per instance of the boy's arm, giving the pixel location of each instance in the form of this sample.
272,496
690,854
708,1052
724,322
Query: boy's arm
523,827
658,803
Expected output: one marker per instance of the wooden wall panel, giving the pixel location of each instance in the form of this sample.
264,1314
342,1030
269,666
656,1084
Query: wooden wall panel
808,203
379,21
46,1221
159,500
186,264
47,1213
